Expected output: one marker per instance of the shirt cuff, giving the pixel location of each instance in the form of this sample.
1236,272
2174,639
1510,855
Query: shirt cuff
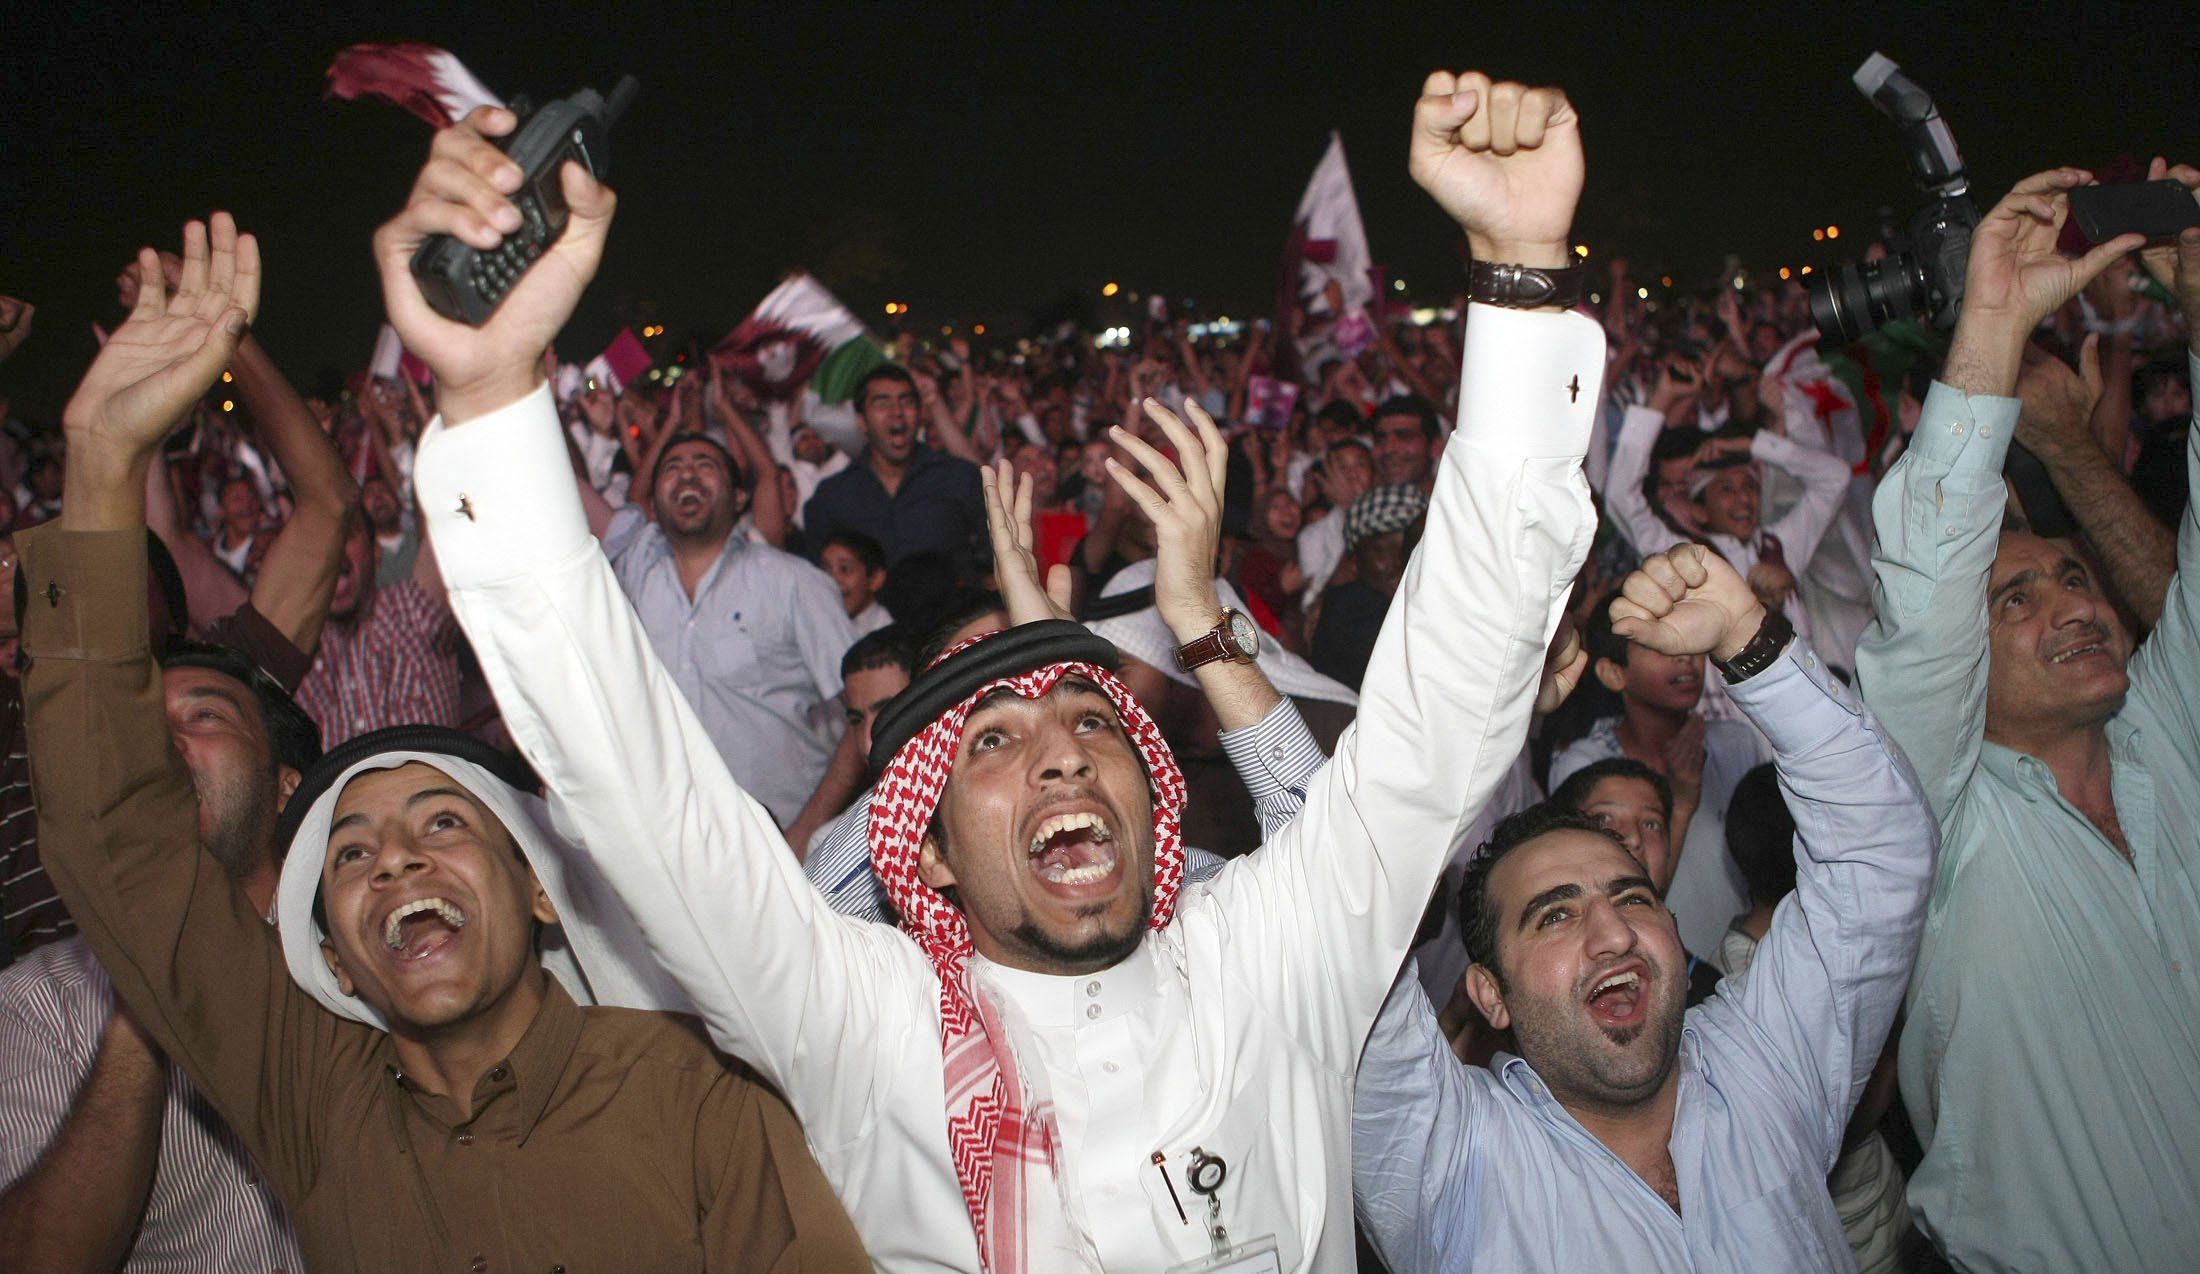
1276,755
86,590
1797,702
1522,366
497,493
1953,421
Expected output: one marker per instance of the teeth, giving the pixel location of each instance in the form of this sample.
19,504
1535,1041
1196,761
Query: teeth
1079,875
451,915
1070,823
1616,980
2068,655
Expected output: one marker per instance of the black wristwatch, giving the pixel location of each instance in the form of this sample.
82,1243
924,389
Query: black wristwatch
1526,287
1772,637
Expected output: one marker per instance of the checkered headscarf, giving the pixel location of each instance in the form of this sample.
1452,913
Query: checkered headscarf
995,1129
1380,510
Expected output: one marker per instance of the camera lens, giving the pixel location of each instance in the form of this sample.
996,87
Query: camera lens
1853,300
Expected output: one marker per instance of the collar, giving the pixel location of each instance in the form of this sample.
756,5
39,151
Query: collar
530,1071
1051,1000
2031,778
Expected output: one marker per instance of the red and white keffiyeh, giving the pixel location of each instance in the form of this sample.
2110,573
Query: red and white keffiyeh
995,1129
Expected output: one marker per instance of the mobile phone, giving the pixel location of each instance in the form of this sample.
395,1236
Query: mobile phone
2157,209
466,284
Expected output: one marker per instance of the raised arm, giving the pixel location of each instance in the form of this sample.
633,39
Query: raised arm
1320,916
1639,428
778,979
2162,667
199,970
1937,513
298,576
1825,479
1822,994
2138,552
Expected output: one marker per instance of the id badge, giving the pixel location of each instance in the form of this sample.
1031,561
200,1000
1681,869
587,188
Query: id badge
1256,1257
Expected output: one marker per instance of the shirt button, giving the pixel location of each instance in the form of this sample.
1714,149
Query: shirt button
1092,1010
1092,988
1985,431
1955,426
465,1139
1110,1067
2176,966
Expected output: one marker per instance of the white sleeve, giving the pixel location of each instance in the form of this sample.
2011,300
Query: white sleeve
1319,917
818,1003
1623,499
1825,479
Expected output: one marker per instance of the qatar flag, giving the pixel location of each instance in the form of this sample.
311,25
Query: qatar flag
800,332
420,78
1329,241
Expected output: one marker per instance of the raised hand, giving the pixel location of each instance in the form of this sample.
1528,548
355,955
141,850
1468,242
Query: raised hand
462,192
1504,160
1185,506
1564,662
15,323
2017,277
1015,562
2176,266
168,351
2058,403
1687,601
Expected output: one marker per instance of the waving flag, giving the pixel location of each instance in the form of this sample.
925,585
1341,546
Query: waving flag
622,362
801,332
421,78
1329,240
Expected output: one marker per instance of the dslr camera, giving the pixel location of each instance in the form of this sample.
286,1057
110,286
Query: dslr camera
1921,276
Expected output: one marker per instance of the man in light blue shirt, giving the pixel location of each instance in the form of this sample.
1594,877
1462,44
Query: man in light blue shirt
751,635
1627,1134
2051,1059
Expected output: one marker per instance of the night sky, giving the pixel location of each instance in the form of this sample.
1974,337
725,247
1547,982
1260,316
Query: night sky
990,164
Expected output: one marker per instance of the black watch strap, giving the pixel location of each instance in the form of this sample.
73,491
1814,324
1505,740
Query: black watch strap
1525,287
1772,637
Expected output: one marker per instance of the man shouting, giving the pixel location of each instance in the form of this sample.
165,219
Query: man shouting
1063,1059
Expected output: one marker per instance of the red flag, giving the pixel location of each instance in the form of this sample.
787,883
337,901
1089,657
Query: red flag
421,78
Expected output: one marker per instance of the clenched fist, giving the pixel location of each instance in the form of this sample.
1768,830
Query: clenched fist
1504,160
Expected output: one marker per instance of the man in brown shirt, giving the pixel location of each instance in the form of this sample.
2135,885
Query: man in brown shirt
496,1124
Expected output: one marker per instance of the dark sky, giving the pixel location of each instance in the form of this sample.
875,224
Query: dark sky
984,163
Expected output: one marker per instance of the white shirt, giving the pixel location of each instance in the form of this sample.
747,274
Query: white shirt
871,618
1236,1029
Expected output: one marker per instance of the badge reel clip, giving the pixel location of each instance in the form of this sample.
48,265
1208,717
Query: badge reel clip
1206,1176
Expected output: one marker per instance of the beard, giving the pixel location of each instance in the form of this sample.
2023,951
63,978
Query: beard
1099,951
241,815
1601,1067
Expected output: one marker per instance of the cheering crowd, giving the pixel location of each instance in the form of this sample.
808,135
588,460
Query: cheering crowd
1581,782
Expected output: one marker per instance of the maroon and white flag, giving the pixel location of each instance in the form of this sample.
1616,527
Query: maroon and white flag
421,78
1330,241
800,333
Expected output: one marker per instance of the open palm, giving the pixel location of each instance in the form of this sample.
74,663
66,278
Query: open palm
172,346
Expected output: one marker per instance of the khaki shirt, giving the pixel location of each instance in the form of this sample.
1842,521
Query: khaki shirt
608,1139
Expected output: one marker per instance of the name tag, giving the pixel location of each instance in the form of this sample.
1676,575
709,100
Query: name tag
1256,1257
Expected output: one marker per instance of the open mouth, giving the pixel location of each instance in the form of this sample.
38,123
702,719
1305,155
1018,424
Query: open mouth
422,927
1620,998
2078,652
1074,851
